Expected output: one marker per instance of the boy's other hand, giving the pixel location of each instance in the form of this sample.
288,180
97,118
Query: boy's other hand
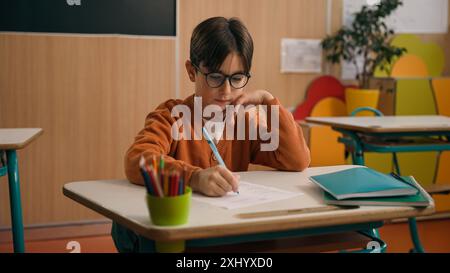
255,97
214,181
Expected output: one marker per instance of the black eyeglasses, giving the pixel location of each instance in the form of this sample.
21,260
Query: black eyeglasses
216,79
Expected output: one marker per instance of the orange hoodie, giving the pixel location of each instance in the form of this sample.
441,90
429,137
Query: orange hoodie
187,156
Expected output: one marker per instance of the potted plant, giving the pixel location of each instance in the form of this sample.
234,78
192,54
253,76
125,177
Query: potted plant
367,39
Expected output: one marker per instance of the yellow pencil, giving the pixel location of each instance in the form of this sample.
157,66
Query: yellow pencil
155,166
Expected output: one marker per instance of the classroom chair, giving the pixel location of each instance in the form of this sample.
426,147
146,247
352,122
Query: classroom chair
424,97
333,152
441,185
415,97
320,88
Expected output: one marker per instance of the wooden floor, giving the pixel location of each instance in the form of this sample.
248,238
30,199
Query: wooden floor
434,235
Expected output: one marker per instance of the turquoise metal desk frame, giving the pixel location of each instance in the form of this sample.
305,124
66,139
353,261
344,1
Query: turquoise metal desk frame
366,229
356,142
9,166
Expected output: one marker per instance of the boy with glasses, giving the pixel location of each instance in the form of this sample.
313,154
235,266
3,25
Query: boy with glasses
219,66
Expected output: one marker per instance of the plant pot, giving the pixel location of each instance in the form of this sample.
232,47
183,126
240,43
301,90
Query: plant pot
355,98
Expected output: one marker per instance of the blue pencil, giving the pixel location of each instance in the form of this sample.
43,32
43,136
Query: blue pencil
180,186
145,176
214,149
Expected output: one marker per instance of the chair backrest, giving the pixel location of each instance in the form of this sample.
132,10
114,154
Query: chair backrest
324,146
380,162
441,88
320,88
370,109
415,97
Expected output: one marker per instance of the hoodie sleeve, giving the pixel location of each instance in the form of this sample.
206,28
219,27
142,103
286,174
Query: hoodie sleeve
290,152
154,140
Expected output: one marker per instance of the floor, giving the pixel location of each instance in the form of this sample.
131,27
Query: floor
434,235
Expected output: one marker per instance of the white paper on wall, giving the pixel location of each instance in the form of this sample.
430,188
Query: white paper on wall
301,55
349,71
414,16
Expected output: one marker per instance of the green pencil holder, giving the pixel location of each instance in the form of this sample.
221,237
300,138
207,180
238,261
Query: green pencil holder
170,210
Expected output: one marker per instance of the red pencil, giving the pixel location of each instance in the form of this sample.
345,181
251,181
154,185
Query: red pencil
172,182
169,184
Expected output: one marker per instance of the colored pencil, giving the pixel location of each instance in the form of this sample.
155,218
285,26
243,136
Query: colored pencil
166,183
158,183
153,181
155,166
180,186
145,175
175,185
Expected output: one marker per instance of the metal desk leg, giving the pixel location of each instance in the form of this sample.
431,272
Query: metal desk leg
418,248
15,201
358,159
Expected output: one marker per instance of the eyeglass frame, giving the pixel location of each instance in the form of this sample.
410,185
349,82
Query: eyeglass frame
227,77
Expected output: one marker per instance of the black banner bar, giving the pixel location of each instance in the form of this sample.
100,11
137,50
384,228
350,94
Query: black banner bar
136,17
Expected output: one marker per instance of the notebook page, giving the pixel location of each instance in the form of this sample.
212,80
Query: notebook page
249,194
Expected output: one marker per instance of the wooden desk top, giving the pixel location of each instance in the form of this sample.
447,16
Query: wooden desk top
386,124
17,138
124,202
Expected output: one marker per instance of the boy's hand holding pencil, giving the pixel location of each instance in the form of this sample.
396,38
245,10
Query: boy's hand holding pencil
215,181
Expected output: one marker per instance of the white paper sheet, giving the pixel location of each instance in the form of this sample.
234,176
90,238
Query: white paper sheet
249,194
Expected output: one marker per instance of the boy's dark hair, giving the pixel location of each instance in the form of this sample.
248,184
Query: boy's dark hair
213,39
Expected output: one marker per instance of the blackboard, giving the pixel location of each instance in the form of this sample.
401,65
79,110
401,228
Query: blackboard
135,17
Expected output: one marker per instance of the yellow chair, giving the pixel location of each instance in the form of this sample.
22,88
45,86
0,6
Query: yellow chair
415,97
323,141
441,88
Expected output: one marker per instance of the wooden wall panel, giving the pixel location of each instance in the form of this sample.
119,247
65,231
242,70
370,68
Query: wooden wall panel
91,96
